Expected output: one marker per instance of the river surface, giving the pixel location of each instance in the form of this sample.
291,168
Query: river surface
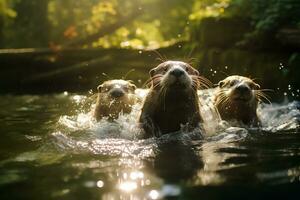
51,148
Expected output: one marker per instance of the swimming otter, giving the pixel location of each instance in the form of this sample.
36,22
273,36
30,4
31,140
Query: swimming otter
114,97
172,100
237,99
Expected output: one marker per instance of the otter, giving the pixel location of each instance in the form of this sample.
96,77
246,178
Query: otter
236,100
114,97
172,99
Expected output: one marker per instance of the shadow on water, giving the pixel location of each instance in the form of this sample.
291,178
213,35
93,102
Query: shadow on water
176,161
49,154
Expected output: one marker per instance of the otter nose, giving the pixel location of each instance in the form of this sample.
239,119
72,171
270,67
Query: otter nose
243,89
177,72
116,93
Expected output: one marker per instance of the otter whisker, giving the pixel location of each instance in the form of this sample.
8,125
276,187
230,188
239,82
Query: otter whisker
160,57
151,80
262,96
203,81
222,100
258,94
262,93
224,103
156,85
261,99
195,84
265,90
201,84
129,72
187,58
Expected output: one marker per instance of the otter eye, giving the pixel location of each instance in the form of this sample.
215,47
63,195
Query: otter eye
99,88
221,84
232,83
152,72
132,87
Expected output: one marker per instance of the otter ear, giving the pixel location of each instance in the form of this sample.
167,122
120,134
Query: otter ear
256,86
197,72
133,87
99,88
221,84
152,72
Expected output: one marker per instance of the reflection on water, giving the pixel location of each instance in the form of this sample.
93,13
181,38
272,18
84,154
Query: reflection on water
52,147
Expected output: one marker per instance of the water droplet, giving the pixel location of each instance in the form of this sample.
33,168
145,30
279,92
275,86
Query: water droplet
153,194
100,184
128,186
147,182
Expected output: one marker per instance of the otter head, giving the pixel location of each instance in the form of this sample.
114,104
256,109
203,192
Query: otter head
174,75
116,89
114,97
239,89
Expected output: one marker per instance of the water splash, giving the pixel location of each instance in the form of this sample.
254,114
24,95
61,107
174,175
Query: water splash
81,133
280,117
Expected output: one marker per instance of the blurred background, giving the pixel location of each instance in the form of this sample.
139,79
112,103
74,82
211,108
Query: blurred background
54,46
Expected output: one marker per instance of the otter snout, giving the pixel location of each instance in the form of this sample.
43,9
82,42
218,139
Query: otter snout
242,92
177,76
117,93
177,72
243,89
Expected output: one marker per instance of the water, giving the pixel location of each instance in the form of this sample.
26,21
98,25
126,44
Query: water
51,148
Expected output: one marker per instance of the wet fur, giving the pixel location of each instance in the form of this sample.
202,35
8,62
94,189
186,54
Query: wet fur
165,109
107,106
238,112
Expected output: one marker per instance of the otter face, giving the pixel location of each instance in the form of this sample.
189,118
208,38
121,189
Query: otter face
239,88
116,89
174,74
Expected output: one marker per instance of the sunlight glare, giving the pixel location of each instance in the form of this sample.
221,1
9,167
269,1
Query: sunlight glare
100,184
153,194
128,186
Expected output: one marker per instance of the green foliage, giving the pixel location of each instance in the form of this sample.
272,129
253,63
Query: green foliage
268,15
40,23
208,8
6,10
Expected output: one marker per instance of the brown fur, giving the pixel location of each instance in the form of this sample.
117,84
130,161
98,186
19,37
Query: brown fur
237,100
114,97
171,102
